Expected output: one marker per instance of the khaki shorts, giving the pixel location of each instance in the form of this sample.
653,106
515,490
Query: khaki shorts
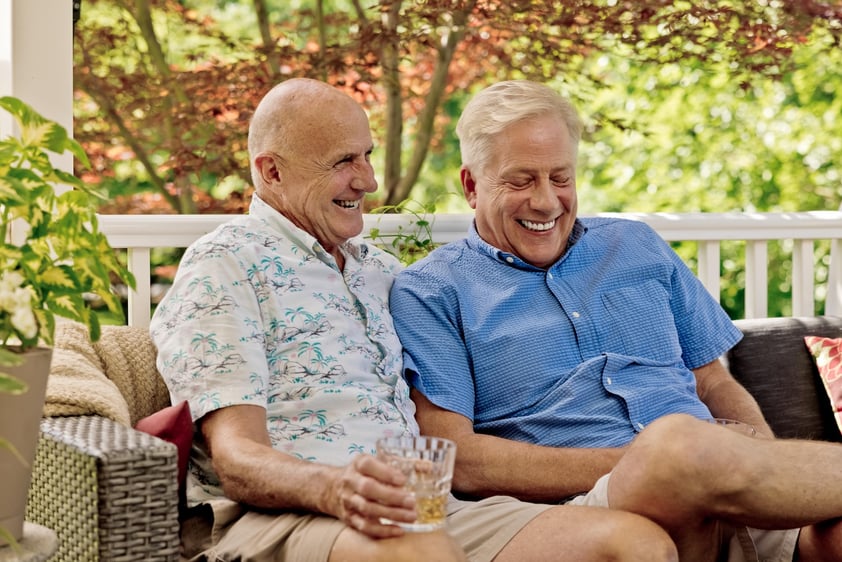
224,530
743,544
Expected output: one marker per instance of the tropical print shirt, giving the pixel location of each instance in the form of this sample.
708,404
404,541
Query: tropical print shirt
259,313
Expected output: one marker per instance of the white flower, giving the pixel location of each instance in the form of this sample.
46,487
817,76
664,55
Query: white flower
23,320
16,302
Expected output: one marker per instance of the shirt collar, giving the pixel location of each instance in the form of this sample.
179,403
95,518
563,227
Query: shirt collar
271,217
476,242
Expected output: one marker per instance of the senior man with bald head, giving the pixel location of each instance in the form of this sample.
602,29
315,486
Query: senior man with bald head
278,333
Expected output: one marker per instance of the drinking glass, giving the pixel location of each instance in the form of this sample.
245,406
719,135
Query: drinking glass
427,463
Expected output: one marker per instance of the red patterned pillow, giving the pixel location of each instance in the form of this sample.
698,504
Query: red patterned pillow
174,425
828,355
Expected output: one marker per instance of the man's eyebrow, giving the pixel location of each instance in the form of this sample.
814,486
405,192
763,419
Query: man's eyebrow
531,170
351,154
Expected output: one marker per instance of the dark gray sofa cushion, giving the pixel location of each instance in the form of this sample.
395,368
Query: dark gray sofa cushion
774,364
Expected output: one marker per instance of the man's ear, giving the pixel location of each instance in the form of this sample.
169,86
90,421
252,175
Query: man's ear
267,167
469,187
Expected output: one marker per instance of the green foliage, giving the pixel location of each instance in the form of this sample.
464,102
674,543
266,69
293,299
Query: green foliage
691,106
690,139
165,88
408,244
62,256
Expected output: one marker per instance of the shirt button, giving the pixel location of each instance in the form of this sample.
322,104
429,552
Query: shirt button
608,380
575,315
550,275
640,426
510,259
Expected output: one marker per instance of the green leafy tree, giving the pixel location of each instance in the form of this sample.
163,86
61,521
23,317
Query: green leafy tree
166,88
694,140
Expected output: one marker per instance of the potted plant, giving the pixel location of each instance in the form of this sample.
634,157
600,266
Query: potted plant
48,267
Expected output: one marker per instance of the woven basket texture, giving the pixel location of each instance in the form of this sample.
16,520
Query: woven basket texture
108,491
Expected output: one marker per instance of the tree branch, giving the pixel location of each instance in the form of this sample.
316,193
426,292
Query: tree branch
427,117
266,36
394,100
134,143
143,16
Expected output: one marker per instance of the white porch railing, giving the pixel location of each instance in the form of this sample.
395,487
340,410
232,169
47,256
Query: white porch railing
140,234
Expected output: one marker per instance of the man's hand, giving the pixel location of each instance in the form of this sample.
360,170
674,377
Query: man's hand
252,472
366,490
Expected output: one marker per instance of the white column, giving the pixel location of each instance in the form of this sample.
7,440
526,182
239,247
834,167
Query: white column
36,66
36,60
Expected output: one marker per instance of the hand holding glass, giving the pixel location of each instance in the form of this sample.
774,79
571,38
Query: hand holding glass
427,463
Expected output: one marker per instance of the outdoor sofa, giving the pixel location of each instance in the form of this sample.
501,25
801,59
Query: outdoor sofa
112,493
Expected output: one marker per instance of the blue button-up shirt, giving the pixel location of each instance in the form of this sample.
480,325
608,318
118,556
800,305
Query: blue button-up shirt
583,354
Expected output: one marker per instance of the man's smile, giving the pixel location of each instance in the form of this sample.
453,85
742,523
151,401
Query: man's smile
537,226
355,204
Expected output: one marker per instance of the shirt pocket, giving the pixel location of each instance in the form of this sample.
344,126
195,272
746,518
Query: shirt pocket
642,322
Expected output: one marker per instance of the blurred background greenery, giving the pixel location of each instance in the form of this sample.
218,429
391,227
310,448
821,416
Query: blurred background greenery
708,106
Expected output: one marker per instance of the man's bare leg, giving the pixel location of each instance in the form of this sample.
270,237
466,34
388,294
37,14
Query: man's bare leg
685,474
589,534
576,533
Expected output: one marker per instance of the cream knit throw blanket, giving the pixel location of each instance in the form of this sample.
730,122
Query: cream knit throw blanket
114,377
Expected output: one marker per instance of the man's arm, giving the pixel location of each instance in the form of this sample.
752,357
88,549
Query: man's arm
254,473
488,465
727,398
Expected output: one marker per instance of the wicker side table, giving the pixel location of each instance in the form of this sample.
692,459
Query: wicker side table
37,545
108,491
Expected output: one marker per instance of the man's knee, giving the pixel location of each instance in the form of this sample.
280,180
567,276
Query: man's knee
679,460
681,447
632,538
666,450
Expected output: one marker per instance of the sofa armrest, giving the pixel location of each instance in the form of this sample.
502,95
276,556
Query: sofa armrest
108,491
773,363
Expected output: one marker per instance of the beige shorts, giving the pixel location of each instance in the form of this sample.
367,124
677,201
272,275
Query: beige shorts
743,544
224,530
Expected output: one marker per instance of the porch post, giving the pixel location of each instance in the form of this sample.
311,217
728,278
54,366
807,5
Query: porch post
36,63
36,59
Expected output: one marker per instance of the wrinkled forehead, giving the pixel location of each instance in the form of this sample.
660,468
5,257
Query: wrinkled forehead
538,139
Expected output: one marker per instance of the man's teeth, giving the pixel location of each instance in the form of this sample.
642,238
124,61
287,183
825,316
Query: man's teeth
348,204
540,226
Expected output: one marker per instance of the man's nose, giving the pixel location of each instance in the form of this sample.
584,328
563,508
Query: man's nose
543,195
365,179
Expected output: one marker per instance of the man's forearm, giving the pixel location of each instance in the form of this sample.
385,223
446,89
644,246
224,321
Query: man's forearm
727,398
487,465
730,400
262,477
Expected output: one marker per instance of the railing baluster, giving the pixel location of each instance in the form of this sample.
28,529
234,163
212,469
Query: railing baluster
709,267
757,279
833,304
140,301
803,296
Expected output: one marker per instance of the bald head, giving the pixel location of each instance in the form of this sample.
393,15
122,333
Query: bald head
310,147
290,113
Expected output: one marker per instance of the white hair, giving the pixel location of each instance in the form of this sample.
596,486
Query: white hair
503,104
